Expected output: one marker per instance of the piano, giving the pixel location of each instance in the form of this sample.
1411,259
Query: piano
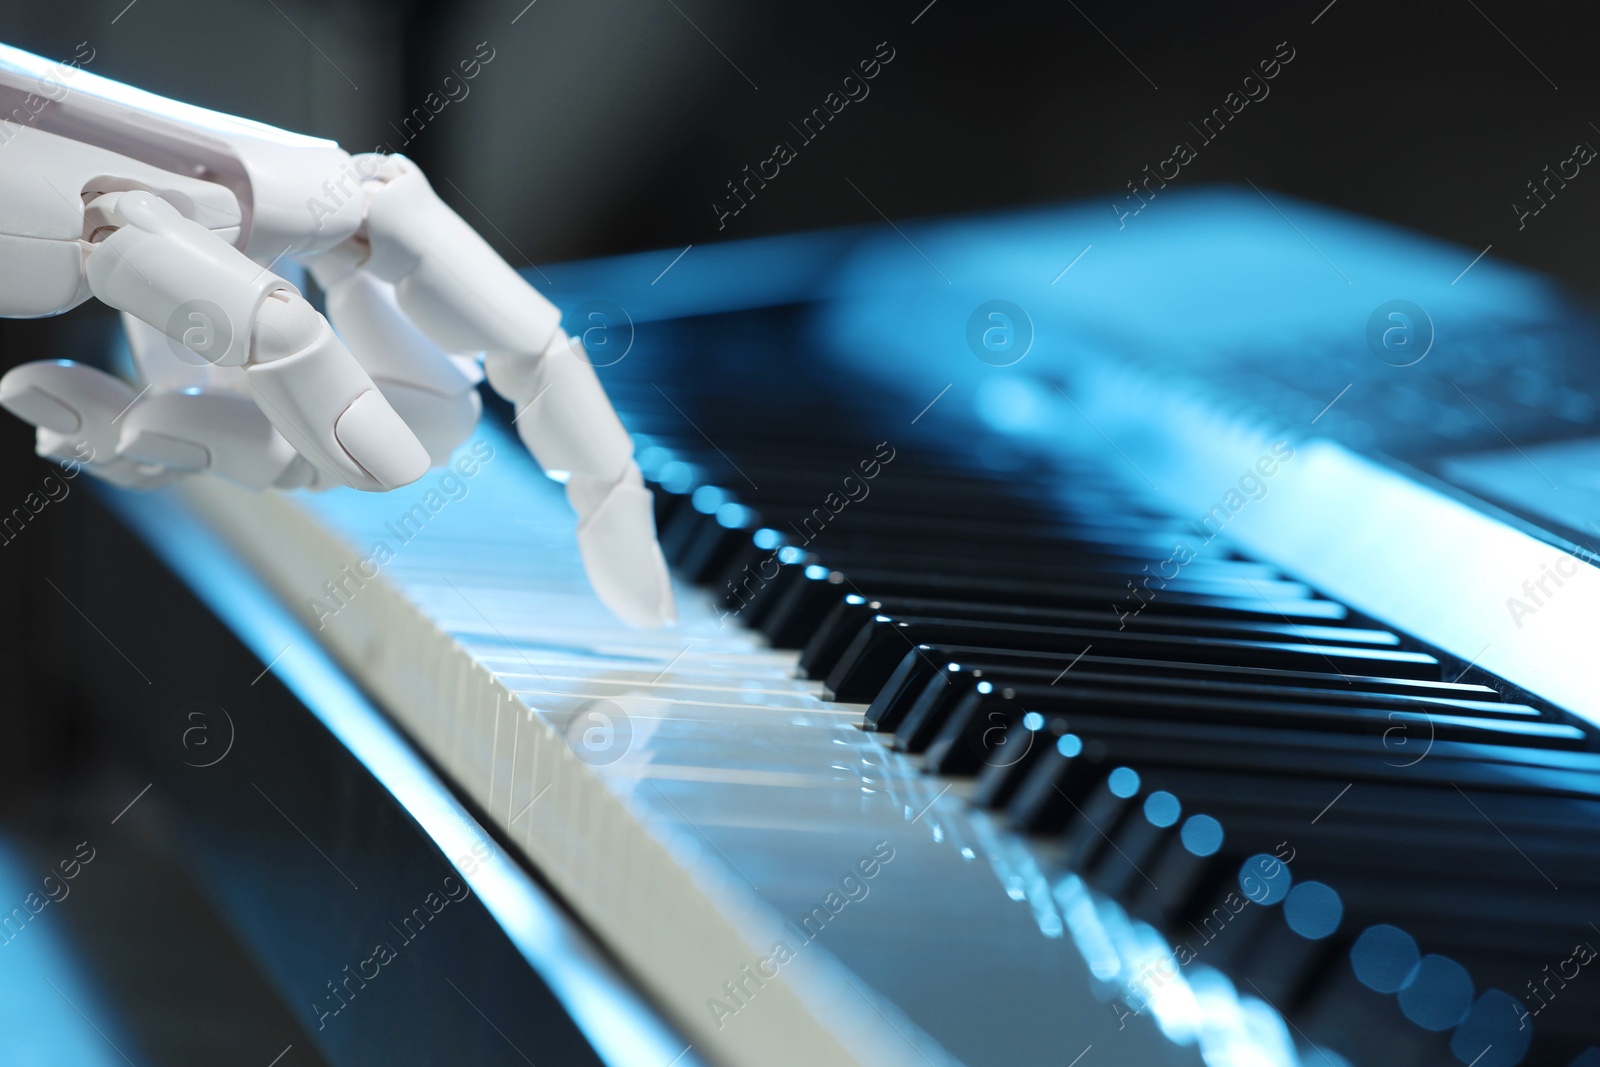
1137,658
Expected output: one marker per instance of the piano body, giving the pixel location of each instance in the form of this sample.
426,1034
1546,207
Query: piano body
1171,677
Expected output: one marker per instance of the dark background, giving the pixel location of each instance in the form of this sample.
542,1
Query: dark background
607,126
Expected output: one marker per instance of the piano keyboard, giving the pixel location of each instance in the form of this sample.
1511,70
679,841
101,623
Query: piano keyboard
931,771
928,779
1173,746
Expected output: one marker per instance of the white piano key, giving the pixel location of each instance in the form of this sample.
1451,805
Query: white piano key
740,801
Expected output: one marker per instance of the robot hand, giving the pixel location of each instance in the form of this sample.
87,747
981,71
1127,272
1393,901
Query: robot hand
176,215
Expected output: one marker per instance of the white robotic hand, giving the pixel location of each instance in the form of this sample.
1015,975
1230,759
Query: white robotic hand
176,215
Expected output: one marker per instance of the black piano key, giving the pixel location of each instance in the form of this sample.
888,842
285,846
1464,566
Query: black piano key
1132,843
1238,706
685,522
925,661
665,503
756,587
801,605
1182,875
853,610
877,583
1342,758
882,641
938,522
1225,934
1057,565
954,719
1374,854
1432,907
1283,966
707,552
954,725
1352,857
905,684
999,775
1094,816
1046,801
